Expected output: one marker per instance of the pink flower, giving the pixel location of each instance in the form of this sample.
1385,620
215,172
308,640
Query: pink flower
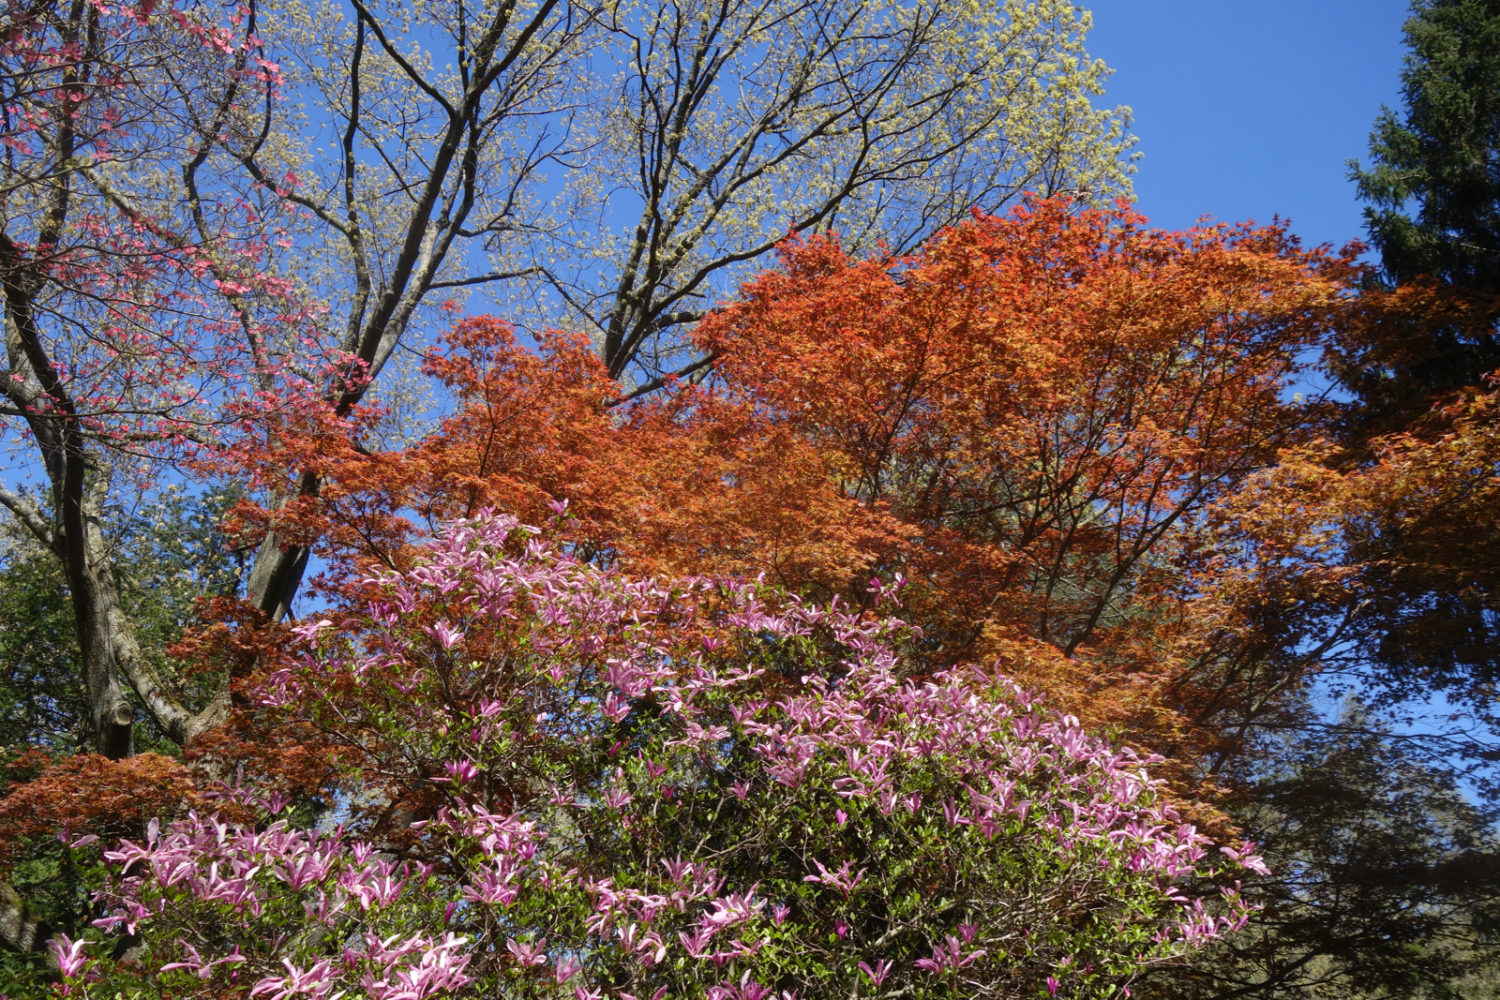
567,968
528,954
844,880
949,956
733,909
459,772
201,967
1247,858
698,943
315,981
878,973
69,954
445,634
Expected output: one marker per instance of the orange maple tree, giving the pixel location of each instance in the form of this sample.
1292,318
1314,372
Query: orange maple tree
1037,422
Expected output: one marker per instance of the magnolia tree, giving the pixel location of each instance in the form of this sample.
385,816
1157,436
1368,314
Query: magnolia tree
552,781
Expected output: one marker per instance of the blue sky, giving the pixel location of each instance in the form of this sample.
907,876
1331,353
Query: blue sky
1250,109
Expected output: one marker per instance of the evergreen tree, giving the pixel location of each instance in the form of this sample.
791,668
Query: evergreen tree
1432,189
1433,213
